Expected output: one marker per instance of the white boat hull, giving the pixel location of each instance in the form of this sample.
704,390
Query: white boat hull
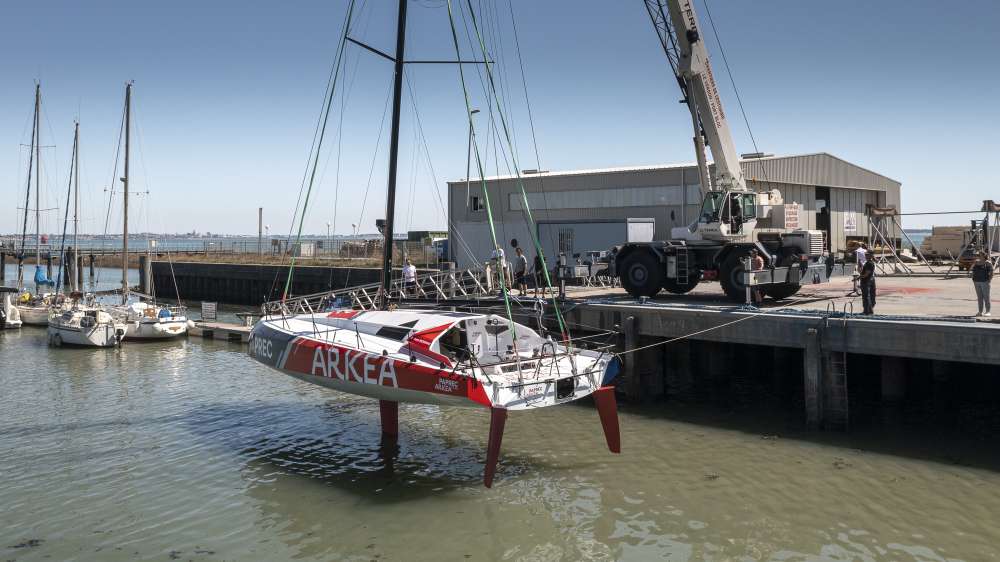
34,315
446,358
156,330
98,336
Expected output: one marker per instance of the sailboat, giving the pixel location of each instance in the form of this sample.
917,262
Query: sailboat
142,320
34,308
432,357
79,319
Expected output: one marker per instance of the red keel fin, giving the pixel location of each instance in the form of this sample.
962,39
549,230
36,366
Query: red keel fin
498,417
389,413
607,408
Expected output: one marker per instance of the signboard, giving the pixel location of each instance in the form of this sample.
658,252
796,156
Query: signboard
208,311
792,215
850,221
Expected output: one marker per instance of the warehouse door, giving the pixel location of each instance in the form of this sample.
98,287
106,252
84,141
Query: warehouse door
823,213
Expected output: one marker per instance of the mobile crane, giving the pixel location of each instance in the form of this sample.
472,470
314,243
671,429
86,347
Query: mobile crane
733,220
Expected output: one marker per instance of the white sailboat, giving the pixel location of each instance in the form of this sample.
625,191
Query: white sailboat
79,320
150,321
34,308
85,325
142,320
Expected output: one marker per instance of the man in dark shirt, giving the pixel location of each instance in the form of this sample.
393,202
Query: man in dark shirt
538,270
867,283
982,274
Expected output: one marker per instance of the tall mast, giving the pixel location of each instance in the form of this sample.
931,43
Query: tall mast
390,199
125,187
76,203
27,192
38,175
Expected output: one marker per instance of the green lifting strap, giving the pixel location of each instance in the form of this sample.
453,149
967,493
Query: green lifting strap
328,103
517,170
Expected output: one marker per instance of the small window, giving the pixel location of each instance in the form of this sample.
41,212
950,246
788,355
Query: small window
476,204
565,240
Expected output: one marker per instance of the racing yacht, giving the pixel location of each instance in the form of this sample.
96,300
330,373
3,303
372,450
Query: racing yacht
433,357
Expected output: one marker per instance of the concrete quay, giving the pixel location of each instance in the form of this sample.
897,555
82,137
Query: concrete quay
924,330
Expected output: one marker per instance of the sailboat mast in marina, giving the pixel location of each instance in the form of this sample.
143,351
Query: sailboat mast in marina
125,188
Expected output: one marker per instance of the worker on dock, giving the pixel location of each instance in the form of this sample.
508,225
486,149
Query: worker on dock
756,264
982,275
861,254
867,282
538,270
520,271
410,278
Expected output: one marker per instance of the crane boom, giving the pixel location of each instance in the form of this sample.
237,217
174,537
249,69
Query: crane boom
677,27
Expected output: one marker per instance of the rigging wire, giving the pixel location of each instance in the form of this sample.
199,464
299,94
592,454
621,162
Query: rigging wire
520,182
430,166
531,124
479,164
736,90
111,189
319,142
62,242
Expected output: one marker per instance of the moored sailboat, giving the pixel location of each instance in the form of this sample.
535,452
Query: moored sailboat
34,308
76,319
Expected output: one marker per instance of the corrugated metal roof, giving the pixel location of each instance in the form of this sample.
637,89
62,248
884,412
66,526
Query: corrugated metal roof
818,168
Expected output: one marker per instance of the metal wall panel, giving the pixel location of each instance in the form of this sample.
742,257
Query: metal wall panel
852,187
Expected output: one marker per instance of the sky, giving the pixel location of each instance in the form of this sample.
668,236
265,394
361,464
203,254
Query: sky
228,93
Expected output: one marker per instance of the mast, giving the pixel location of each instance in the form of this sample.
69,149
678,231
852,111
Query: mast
76,204
390,199
38,175
27,193
128,128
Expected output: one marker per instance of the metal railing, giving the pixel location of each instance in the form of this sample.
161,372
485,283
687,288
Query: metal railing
437,286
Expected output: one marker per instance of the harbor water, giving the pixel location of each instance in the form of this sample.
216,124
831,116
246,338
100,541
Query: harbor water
189,450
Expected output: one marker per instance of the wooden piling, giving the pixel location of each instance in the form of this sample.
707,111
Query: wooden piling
3,265
91,266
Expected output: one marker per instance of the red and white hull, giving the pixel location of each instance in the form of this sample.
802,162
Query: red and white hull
450,359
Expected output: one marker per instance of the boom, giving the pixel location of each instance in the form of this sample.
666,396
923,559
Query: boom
677,27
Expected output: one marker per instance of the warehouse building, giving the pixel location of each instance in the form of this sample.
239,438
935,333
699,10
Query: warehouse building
586,210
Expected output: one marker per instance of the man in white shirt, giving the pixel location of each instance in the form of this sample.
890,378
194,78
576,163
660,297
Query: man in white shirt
860,253
500,267
409,278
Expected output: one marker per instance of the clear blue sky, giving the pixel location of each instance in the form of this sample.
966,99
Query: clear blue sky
227,95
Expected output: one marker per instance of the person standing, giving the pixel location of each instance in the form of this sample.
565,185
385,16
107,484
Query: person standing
867,282
757,264
860,254
500,269
409,278
538,270
982,275
520,270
